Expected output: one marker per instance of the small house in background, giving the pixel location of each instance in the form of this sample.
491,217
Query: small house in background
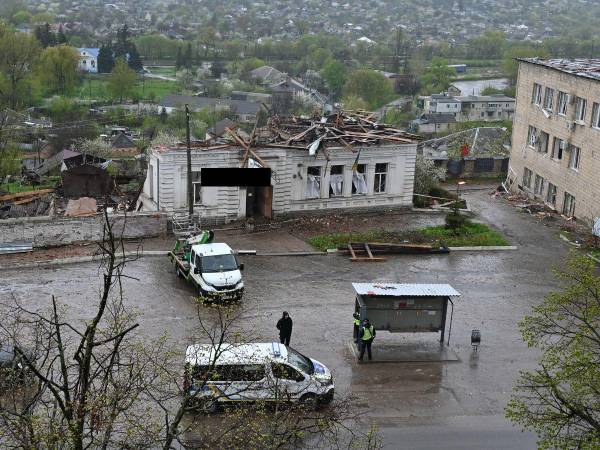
123,146
86,180
433,123
478,152
88,59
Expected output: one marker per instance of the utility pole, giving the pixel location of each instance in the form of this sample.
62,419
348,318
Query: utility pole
190,193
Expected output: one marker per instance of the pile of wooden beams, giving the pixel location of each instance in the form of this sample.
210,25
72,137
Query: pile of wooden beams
22,198
365,251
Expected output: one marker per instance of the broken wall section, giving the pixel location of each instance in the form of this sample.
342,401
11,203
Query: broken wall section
56,231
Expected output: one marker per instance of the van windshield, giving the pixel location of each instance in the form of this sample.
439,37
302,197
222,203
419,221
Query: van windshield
219,263
300,361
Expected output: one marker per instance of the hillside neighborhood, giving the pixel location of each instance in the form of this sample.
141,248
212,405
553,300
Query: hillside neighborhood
277,225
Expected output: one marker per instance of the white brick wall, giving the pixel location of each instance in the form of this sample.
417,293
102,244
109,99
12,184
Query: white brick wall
584,183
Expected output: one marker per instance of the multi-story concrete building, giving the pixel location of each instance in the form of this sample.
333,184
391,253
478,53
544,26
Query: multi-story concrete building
555,153
487,108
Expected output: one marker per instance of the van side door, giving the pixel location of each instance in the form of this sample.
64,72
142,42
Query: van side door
196,267
288,383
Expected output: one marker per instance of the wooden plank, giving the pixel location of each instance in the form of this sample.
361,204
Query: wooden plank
351,250
368,250
375,259
18,195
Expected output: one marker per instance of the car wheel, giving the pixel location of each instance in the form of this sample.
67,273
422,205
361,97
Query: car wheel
309,401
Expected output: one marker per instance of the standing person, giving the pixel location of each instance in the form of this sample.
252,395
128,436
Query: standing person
356,326
367,334
284,325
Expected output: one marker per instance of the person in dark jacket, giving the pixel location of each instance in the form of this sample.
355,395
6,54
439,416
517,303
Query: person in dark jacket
284,325
367,334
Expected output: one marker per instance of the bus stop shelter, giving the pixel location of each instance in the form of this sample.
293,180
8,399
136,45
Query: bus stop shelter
406,308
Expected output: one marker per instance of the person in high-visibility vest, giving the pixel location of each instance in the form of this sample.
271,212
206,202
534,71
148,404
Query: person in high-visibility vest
356,326
367,334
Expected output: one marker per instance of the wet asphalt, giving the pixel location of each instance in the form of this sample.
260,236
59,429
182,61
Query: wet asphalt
455,404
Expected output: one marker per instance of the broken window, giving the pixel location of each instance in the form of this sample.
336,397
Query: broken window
197,188
538,187
549,99
558,147
580,107
536,98
336,181
380,177
596,115
569,205
313,182
562,101
532,136
542,146
359,180
551,195
527,174
575,157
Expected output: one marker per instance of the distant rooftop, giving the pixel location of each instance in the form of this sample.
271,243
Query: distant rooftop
586,68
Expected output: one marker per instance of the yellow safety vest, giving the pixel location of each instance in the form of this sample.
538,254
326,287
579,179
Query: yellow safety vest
357,322
367,333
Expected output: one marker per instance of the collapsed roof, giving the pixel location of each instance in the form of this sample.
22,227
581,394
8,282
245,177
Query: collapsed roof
482,142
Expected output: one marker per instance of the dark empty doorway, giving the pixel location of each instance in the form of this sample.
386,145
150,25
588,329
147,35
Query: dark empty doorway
259,201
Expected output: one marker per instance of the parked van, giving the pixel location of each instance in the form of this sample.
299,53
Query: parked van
254,372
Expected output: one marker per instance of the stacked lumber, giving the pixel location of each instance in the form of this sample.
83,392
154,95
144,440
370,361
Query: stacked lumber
383,248
22,198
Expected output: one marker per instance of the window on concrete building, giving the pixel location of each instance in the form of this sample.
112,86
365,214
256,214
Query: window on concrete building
575,157
359,180
551,195
532,136
562,102
542,145
569,205
558,147
380,177
549,99
596,115
313,182
527,175
197,188
580,109
336,181
536,97
538,186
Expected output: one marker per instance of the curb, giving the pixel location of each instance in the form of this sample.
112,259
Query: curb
493,248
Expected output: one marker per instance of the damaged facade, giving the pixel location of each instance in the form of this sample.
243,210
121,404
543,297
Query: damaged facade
554,156
315,164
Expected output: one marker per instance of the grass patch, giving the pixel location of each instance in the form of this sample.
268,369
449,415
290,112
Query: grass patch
471,234
96,88
15,187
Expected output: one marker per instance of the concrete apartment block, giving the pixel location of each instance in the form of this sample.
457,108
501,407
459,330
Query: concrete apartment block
555,154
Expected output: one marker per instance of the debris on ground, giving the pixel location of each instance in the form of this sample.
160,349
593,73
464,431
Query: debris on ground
82,207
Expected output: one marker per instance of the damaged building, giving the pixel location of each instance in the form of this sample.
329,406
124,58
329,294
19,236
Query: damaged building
339,161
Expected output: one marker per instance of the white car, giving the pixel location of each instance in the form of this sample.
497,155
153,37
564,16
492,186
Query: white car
254,372
216,272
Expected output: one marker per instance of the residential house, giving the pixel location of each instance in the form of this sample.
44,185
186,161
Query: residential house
433,123
267,75
369,176
88,59
241,110
478,152
555,156
486,108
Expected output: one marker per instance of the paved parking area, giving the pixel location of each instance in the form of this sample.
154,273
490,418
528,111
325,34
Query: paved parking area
407,400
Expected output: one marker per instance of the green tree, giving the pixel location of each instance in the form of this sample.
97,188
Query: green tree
560,399
354,102
21,17
489,45
334,73
18,53
437,76
106,60
370,85
58,68
122,81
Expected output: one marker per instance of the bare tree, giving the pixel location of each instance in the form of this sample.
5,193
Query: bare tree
79,386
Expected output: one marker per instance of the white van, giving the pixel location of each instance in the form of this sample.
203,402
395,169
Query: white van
216,271
254,372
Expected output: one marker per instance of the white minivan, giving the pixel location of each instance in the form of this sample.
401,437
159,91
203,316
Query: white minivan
254,372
